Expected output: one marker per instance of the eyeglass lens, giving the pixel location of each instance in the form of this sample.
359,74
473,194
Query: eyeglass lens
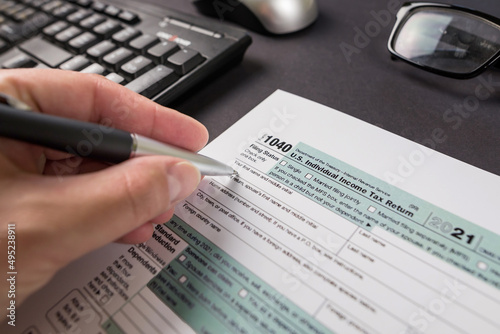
447,40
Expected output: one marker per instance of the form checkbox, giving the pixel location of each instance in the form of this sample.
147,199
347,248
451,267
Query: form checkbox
104,299
372,209
243,293
283,163
182,258
481,265
183,279
308,176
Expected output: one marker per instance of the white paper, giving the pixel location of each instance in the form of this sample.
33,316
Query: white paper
332,226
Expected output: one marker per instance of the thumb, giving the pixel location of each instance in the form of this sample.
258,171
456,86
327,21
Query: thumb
108,204
178,190
59,221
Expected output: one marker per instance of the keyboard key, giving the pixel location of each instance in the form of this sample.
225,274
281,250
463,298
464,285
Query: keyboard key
14,9
185,60
40,65
50,6
19,61
136,67
118,57
84,3
100,50
91,21
6,5
75,64
83,42
55,28
68,34
143,42
94,68
63,11
125,35
153,81
161,51
37,21
107,28
15,32
79,15
128,17
111,11
46,52
39,3
11,32
98,6
24,14
115,78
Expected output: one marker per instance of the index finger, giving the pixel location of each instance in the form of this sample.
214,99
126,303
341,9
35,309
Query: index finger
96,99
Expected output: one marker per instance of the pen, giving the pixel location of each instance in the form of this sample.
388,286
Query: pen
94,141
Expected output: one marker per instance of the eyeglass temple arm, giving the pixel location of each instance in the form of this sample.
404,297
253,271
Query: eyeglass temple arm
496,64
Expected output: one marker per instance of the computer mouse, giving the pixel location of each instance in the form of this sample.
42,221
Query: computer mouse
264,16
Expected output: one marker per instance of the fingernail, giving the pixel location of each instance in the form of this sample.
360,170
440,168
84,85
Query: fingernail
183,178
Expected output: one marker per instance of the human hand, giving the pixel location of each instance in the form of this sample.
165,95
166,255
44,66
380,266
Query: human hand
63,206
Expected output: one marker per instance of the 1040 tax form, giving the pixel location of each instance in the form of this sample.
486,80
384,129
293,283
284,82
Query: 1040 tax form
332,225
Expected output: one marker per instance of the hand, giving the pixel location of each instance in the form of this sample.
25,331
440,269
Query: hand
64,206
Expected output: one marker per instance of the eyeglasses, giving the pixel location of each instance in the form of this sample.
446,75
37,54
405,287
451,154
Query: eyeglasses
444,39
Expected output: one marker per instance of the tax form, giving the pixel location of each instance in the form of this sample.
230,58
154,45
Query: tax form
332,225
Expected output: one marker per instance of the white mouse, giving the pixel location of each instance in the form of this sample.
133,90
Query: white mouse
268,16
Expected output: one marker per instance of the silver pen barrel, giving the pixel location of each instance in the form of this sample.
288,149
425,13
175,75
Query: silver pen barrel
207,166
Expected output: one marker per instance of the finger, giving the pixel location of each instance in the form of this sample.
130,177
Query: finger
24,156
163,218
72,166
143,233
139,235
109,204
137,193
94,98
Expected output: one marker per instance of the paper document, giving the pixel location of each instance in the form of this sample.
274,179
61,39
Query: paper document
333,225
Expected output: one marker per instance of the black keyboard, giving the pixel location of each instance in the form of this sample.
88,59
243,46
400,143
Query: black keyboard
154,51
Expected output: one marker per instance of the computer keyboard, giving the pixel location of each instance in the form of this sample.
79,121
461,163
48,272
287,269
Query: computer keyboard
154,51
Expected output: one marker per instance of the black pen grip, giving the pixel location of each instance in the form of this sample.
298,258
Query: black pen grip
88,140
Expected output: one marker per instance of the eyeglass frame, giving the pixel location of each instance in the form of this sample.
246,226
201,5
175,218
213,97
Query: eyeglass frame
404,12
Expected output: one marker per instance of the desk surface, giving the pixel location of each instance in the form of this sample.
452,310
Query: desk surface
370,86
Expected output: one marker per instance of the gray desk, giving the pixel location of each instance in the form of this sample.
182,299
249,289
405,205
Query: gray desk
397,97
